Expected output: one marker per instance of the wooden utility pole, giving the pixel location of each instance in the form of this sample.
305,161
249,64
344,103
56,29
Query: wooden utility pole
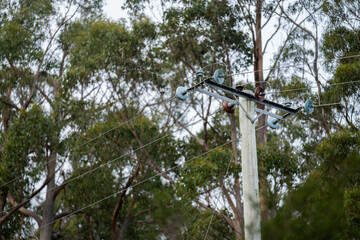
247,109
249,172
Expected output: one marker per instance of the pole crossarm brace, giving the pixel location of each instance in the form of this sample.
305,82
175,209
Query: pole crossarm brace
248,96
251,97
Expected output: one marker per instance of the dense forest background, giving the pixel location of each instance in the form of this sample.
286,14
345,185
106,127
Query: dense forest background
95,145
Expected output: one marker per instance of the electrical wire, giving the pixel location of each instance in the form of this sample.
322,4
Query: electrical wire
111,161
327,104
143,181
269,69
299,89
212,215
289,65
126,154
100,135
139,183
274,68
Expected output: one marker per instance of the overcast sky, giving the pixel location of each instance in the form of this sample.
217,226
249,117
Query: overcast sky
113,9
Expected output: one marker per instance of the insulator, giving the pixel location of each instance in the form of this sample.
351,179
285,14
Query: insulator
219,76
228,107
259,94
181,93
272,122
309,106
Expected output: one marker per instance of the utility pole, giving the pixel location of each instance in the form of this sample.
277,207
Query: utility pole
250,175
247,117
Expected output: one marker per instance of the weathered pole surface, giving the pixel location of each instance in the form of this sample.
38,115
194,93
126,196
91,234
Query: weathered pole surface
249,172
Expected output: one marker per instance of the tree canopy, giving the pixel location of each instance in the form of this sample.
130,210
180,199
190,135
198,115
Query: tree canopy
95,144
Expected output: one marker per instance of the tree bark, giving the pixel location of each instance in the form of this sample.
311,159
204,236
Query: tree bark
21,209
126,224
88,222
259,82
120,233
120,202
48,211
3,195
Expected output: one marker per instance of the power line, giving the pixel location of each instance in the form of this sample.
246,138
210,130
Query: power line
307,88
166,135
141,182
212,215
269,69
100,135
327,104
280,67
113,160
290,65
126,154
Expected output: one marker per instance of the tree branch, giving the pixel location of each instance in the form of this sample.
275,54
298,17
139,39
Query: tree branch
228,198
120,200
63,21
21,209
271,14
220,215
144,211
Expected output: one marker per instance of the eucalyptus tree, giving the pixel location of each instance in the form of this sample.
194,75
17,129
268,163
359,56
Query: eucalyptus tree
32,70
340,46
310,41
323,206
204,35
138,143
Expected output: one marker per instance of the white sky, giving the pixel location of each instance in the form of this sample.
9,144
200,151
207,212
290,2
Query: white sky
113,10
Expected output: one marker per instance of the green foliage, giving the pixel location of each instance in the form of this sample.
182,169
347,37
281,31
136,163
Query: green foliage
102,46
100,73
204,30
22,29
340,41
206,172
28,139
323,206
198,222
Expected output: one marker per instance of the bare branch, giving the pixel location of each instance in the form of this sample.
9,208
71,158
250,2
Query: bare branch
62,23
271,14
144,211
272,36
249,23
228,198
220,215
23,210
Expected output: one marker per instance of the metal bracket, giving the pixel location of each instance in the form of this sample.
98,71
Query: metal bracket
250,97
235,102
268,113
212,94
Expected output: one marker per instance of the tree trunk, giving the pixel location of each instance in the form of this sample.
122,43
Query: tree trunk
238,231
48,211
122,231
118,206
88,222
4,192
261,133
